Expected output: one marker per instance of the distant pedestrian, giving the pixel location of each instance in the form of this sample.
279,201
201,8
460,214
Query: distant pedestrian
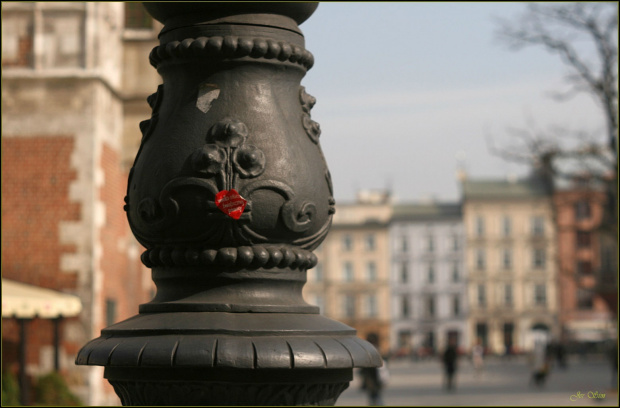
477,357
540,363
374,378
449,358
560,355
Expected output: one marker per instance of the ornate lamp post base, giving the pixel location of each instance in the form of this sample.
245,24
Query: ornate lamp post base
230,193
224,387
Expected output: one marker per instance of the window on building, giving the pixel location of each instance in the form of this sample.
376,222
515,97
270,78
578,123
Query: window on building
455,243
17,39
538,258
506,227
347,242
430,244
480,259
347,271
540,294
582,210
110,311
455,272
479,226
482,296
370,242
456,305
507,258
349,306
538,226
584,268
371,306
430,306
136,16
508,294
63,39
585,299
405,310
584,239
371,271
404,272
430,273
404,244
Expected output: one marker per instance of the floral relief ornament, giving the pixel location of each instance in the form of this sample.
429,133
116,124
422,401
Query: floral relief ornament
227,158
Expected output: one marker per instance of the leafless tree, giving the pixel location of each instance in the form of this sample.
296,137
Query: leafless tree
567,29
585,36
561,28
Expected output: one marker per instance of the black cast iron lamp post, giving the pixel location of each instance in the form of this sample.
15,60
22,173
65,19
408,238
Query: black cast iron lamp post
230,193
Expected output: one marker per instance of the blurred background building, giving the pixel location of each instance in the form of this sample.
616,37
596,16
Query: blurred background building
75,78
584,262
510,257
351,282
429,298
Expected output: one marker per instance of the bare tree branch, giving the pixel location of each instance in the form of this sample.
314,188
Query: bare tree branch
560,28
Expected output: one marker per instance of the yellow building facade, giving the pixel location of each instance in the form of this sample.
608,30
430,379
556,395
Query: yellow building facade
351,280
511,262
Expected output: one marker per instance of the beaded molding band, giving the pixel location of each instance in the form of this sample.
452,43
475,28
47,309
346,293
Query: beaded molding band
259,256
232,47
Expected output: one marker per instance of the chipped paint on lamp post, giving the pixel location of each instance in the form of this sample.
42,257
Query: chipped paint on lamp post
230,194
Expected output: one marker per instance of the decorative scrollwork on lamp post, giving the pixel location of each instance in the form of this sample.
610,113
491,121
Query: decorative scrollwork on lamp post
229,194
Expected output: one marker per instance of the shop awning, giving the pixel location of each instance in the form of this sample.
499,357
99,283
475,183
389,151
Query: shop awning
26,302
591,330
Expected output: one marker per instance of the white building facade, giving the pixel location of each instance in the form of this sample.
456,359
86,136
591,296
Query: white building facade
428,280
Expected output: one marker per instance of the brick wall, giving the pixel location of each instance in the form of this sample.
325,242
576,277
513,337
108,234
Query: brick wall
36,174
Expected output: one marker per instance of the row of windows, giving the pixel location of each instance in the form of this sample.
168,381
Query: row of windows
539,296
62,39
537,226
430,273
61,33
369,307
429,308
538,258
370,273
430,244
403,273
350,306
370,243
348,273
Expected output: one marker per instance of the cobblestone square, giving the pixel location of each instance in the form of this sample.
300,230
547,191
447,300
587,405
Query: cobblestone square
501,383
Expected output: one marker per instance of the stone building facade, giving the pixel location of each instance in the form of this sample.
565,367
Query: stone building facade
74,88
511,262
351,280
429,297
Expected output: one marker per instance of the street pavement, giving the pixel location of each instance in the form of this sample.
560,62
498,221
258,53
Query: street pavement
585,382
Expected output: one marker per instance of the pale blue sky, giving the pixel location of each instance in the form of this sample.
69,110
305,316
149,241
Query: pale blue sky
404,88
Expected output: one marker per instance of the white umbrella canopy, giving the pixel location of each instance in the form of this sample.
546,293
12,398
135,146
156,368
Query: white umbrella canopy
24,301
